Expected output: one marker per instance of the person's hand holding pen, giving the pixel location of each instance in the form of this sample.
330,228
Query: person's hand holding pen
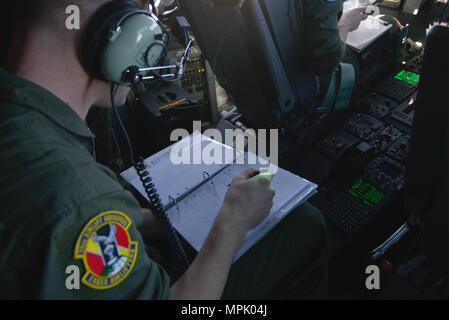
248,201
351,20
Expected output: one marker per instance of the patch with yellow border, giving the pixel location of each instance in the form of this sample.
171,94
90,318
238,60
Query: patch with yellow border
106,249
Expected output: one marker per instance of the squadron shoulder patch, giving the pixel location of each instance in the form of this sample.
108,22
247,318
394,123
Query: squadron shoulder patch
106,249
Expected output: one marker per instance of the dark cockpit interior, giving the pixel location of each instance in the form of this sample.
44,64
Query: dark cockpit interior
362,113
381,161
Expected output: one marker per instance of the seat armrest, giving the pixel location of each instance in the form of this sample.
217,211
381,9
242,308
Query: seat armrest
413,223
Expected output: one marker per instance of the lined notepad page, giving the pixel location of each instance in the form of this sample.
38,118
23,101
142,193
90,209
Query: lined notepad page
368,32
176,180
194,216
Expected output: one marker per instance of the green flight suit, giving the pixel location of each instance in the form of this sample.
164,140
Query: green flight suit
54,197
322,46
323,49
50,188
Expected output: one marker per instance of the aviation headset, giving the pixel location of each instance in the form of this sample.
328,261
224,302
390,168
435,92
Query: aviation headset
123,43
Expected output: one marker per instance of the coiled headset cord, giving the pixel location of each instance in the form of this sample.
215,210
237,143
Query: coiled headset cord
151,191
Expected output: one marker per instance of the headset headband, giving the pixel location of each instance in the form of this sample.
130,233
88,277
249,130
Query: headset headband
126,44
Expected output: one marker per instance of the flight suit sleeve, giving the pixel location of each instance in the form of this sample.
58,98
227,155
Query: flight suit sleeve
324,48
102,241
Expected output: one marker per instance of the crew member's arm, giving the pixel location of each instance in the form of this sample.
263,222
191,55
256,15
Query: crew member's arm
247,203
323,46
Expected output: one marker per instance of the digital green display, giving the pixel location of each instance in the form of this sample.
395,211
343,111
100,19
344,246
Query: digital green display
409,77
367,193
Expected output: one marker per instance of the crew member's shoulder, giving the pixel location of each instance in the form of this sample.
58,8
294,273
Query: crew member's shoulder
39,156
323,4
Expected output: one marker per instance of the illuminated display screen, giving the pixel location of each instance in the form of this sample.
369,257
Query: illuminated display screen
409,77
367,193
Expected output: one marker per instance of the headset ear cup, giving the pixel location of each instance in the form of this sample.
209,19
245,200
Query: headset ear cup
97,32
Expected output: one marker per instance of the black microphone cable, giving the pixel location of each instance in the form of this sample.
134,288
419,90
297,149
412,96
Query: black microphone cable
154,198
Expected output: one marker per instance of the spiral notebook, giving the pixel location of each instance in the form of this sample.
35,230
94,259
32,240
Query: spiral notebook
192,193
